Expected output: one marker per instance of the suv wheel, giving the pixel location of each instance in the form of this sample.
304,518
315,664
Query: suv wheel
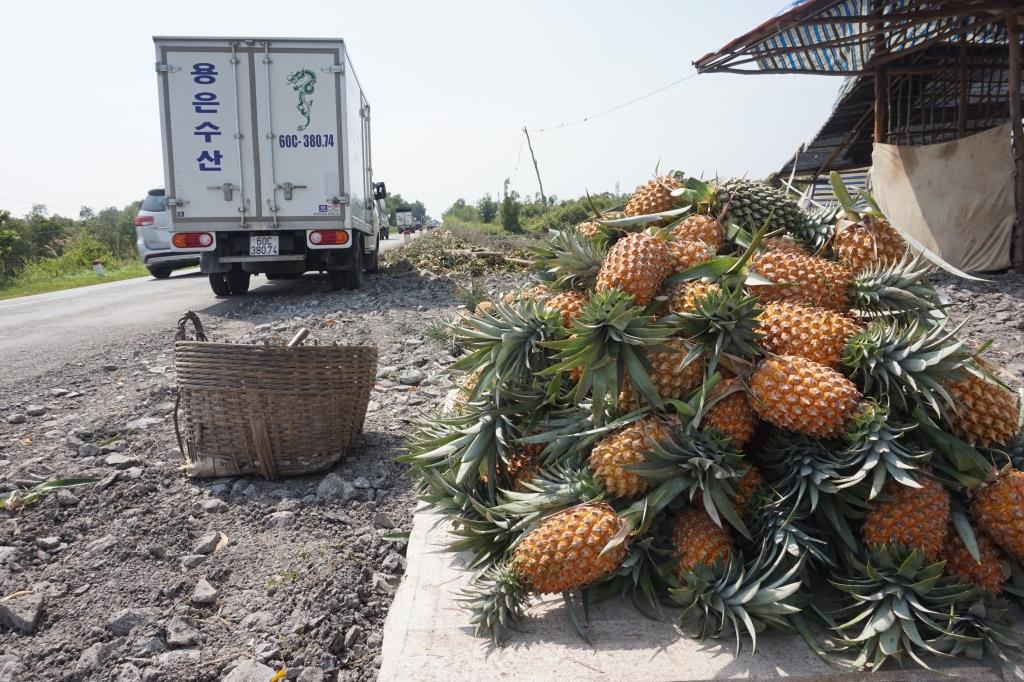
219,284
160,273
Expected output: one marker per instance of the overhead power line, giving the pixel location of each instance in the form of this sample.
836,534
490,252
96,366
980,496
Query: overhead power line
585,119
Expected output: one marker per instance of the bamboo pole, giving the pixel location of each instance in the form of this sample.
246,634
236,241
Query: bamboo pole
961,114
881,105
1013,93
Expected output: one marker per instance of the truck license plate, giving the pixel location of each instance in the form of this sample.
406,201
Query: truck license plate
265,245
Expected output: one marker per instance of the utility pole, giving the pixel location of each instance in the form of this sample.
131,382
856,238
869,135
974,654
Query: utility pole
543,198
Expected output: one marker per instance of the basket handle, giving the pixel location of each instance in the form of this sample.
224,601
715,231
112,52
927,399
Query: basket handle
182,334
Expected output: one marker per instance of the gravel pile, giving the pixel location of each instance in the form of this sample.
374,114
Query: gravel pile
148,575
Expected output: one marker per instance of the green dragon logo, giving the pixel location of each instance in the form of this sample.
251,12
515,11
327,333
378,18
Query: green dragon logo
303,81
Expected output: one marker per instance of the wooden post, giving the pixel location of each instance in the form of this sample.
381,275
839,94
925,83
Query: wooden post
961,107
1013,92
881,105
543,199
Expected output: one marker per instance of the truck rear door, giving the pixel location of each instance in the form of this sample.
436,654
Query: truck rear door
252,132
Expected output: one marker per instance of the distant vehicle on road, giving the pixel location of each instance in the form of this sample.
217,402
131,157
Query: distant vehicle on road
153,238
404,220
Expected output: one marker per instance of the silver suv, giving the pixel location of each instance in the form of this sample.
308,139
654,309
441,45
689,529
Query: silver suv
153,238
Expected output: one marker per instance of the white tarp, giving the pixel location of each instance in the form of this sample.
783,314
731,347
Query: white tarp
955,198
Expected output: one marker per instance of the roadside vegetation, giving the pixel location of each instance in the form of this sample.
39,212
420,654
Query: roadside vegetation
516,214
462,249
46,252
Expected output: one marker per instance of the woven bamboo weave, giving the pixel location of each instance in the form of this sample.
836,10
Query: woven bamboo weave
271,411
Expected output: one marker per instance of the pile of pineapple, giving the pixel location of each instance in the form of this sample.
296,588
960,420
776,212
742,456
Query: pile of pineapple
740,414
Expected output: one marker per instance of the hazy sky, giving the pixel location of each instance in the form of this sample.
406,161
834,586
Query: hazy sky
451,84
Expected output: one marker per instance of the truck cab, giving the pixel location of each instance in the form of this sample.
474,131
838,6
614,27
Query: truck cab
267,159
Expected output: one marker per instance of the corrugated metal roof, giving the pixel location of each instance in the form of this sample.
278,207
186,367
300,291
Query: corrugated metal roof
846,37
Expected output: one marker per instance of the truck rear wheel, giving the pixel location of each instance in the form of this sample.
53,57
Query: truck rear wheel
219,284
372,261
350,279
238,280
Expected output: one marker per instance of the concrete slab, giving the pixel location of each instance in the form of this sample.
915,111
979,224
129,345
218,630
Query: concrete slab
427,638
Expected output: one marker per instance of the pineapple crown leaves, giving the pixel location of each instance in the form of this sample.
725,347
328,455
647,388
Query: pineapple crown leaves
879,451
554,489
729,596
907,363
508,343
701,461
497,600
722,321
471,295
568,433
696,193
816,228
730,271
570,259
778,528
843,195
984,629
639,576
607,342
955,463
802,469
896,604
632,223
900,288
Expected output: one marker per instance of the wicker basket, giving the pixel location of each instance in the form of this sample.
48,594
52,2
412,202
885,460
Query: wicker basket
268,410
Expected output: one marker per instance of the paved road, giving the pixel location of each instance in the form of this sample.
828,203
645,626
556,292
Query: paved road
49,330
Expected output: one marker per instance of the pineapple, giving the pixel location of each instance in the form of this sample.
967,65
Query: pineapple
570,260
622,448
754,204
485,308
637,264
915,518
670,378
564,552
817,334
655,196
867,243
784,244
682,296
801,395
700,228
866,240
986,413
986,574
591,229
569,303
688,253
804,279
998,509
466,389
733,416
699,542
749,485
535,293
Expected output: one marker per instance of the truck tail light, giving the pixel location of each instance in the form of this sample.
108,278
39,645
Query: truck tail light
328,237
143,220
192,240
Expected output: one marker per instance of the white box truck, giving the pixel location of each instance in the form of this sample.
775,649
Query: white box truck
267,163
404,219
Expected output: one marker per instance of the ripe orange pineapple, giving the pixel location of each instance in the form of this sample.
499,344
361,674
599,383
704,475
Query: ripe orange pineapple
746,488
637,264
733,416
801,395
589,229
986,413
654,196
699,542
569,303
625,447
986,574
682,296
466,387
916,518
869,242
998,509
687,253
564,552
701,228
671,380
814,333
811,280
484,307
538,292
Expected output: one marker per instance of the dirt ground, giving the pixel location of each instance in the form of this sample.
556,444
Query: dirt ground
149,575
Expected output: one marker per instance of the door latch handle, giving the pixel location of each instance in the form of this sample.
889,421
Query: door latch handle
287,188
227,188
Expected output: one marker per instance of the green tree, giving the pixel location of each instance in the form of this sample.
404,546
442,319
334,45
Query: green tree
509,213
462,211
487,207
